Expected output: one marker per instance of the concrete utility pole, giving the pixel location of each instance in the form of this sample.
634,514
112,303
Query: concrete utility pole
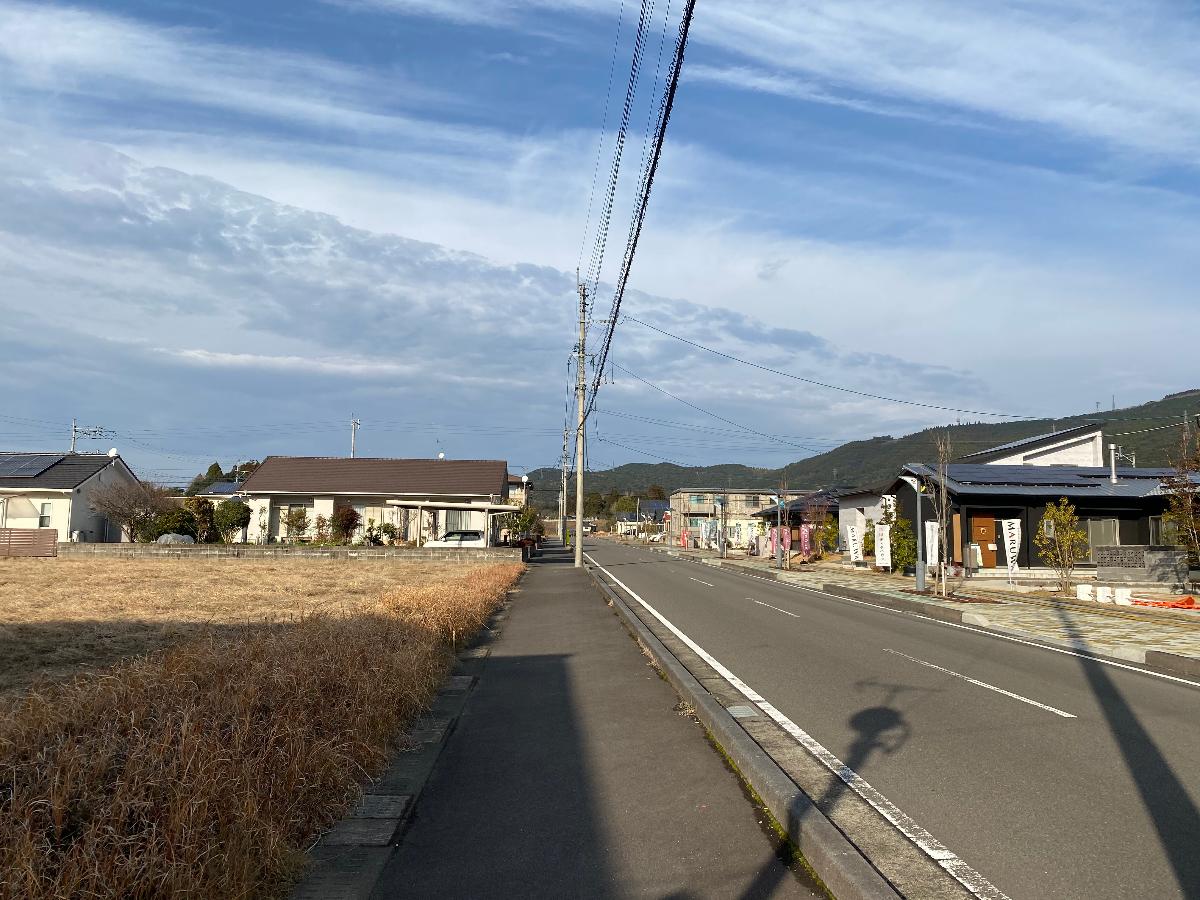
562,493
580,397
88,431
354,423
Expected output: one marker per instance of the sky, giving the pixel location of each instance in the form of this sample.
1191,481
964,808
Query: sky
227,228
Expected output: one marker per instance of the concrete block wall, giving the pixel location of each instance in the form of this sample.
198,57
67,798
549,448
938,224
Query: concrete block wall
236,551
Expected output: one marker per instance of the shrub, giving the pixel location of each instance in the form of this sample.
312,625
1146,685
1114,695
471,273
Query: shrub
1060,541
176,520
203,512
344,523
321,532
230,517
296,521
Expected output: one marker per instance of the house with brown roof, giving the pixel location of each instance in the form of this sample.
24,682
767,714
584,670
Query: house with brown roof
422,498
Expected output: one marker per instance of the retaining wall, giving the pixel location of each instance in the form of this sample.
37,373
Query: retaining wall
238,551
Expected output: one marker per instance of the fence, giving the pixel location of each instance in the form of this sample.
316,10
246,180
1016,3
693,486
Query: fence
28,542
284,551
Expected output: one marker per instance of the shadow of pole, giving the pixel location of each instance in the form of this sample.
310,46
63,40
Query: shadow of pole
1176,818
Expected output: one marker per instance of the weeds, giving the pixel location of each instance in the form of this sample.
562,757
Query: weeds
204,769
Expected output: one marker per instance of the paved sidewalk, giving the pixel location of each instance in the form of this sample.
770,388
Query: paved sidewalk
571,774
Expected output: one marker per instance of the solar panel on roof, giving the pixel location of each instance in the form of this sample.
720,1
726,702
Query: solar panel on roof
27,465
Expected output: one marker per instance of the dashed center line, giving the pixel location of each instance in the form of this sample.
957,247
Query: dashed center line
776,608
983,684
702,582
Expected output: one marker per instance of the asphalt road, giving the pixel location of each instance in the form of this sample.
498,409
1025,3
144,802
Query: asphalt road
1101,804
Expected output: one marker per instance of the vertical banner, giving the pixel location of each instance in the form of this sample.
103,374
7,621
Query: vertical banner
887,506
806,539
855,538
933,546
883,546
1012,544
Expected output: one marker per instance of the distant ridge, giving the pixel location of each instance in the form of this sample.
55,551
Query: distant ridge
868,462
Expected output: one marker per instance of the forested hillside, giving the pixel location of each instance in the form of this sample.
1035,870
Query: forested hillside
866,462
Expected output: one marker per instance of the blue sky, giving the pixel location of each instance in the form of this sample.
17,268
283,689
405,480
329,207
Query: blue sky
226,227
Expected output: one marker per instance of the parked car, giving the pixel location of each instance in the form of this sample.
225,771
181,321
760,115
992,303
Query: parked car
459,539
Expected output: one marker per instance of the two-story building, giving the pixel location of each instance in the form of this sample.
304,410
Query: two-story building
53,490
697,515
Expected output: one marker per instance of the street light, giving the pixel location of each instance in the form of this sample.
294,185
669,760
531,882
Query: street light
915,484
778,501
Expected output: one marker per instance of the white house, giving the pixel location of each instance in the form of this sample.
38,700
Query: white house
421,498
52,490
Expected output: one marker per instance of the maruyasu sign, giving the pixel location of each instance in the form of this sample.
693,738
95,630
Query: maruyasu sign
1012,543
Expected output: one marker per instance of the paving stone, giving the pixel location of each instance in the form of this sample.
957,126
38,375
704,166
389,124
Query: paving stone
342,873
362,832
382,806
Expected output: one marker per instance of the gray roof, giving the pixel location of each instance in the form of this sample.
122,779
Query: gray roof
1073,482
1030,443
361,475
221,487
71,470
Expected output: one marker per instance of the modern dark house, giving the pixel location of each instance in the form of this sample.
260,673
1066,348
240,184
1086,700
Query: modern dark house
1125,512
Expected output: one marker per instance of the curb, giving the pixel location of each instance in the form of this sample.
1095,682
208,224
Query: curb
348,860
836,861
1160,662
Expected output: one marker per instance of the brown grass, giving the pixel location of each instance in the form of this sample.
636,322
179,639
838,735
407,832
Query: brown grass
203,770
60,615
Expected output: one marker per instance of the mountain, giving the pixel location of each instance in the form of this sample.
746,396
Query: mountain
1150,431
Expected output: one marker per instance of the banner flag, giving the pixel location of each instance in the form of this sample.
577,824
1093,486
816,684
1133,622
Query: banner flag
883,546
1012,544
933,546
854,536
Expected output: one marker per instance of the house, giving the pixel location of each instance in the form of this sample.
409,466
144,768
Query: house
1117,507
422,498
1082,445
1079,446
519,488
649,516
52,490
697,514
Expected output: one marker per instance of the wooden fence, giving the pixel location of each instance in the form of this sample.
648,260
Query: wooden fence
28,542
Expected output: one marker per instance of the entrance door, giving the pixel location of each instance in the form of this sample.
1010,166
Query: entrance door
983,533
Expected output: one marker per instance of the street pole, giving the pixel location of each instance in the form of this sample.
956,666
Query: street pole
562,495
919,568
75,431
580,396
354,423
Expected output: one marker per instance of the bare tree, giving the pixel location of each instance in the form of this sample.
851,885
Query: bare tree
1183,496
942,505
130,504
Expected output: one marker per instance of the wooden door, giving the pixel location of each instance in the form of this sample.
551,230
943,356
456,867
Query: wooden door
983,533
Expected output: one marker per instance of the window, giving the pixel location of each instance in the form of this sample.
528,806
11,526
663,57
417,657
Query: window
696,499
44,516
1163,533
1101,533
457,519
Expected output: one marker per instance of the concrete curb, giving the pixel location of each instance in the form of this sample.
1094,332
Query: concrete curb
837,862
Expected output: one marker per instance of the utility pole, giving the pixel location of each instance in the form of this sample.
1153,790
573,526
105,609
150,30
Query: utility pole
88,431
580,397
562,494
354,423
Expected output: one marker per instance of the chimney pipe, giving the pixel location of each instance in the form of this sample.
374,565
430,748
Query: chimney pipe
1112,455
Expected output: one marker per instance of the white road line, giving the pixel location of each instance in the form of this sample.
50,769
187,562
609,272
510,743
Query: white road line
983,631
776,608
702,582
927,843
983,684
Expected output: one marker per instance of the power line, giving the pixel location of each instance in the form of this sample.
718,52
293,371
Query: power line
635,450
644,190
713,414
832,387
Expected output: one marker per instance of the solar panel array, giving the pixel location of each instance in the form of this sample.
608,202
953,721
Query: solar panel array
27,465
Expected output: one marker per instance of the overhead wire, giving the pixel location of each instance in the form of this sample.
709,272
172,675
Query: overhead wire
832,387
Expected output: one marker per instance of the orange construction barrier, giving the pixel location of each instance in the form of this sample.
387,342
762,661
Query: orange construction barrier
1188,602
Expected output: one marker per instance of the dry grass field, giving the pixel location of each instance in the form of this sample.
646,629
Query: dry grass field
61,616
244,704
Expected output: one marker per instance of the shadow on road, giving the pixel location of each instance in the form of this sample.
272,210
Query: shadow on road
1176,818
